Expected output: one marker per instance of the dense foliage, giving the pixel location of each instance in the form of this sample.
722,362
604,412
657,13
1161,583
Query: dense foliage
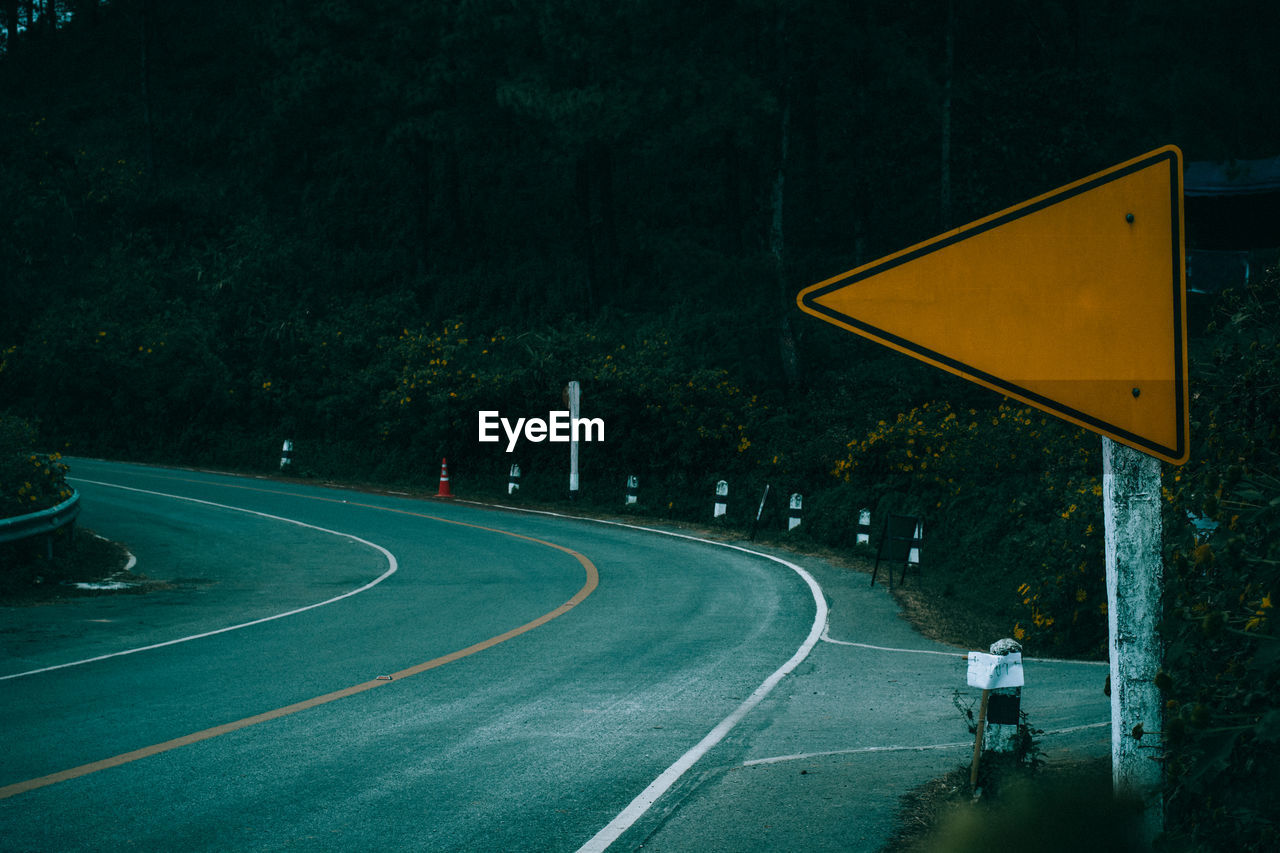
1222,674
30,481
357,224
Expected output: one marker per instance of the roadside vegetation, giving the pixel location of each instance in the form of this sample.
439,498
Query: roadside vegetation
45,567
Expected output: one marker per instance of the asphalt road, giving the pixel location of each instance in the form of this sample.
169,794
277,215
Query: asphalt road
555,684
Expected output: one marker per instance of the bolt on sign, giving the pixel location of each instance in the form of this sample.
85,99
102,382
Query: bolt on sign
1073,302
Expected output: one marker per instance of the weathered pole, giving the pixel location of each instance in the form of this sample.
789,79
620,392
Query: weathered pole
1135,579
573,396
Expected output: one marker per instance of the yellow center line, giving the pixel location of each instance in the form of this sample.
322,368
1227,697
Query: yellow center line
593,580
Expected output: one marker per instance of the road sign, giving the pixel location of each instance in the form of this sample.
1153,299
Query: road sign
1073,302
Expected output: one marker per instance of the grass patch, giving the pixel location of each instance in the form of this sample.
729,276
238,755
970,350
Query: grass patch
941,614
1062,806
80,556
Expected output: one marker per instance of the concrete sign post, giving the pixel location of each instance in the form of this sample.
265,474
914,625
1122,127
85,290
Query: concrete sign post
998,670
1131,517
721,506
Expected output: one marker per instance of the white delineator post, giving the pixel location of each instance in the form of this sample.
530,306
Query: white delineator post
286,454
864,527
796,513
575,411
1135,579
722,499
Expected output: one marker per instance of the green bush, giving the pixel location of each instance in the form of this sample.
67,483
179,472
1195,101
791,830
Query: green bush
29,481
1222,667
1012,499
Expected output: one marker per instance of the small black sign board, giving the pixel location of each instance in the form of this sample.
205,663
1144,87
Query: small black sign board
900,535
1003,708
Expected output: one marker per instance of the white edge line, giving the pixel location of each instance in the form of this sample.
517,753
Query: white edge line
130,562
659,786
828,639
392,566
801,756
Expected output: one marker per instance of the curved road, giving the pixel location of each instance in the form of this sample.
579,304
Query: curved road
334,670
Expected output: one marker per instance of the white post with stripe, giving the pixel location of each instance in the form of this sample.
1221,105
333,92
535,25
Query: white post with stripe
864,527
722,499
794,517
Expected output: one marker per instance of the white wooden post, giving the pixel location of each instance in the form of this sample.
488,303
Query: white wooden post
722,499
286,454
513,480
1135,575
795,515
633,490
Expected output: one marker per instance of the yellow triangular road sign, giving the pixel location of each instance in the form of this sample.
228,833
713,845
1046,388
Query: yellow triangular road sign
1073,302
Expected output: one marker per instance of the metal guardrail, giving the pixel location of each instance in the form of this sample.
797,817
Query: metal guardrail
44,522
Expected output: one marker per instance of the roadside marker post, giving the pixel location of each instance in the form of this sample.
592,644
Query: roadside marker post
513,480
286,454
795,513
1073,302
633,490
998,670
721,506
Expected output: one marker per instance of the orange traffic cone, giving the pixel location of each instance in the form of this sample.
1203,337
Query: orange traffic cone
444,480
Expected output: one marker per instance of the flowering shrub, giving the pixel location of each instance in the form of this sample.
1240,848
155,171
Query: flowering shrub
29,481
1016,496
1221,677
662,421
